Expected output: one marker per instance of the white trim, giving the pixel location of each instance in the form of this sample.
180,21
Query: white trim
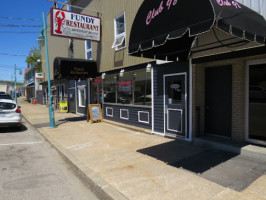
178,110
146,122
185,108
152,102
107,112
248,63
88,50
126,118
89,91
121,34
190,100
158,133
81,87
118,43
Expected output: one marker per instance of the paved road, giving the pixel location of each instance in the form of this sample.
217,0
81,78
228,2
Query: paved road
30,169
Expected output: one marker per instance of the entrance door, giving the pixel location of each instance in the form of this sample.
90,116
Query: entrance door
175,105
218,101
257,103
72,100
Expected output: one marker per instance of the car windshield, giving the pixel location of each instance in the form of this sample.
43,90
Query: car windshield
5,96
7,106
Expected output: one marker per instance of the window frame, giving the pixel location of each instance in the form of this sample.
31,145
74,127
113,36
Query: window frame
122,44
87,50
82,88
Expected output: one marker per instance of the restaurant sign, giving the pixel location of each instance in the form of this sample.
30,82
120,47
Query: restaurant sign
74,25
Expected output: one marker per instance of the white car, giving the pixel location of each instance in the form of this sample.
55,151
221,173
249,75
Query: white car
10,114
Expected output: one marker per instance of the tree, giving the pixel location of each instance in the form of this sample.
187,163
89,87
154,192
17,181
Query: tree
34,58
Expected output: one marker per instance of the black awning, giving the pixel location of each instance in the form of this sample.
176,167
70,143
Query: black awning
73,69
166,29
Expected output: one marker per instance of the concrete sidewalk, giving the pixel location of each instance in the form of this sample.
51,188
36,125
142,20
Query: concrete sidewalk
112,160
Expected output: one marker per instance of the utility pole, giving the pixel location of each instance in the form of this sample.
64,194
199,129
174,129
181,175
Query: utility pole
51,110
16,83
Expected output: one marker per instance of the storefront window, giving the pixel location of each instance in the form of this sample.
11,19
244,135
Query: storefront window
82,94
110,88
124,95
132,87
142,87
257,102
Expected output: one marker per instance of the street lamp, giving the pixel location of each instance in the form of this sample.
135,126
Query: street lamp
43,36
20,72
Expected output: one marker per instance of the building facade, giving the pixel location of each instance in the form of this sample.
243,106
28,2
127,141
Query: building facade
217,88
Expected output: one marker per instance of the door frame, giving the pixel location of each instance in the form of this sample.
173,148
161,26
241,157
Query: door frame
185,108
247,65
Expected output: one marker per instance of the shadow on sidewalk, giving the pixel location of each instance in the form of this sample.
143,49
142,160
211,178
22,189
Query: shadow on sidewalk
71,119
61,121
13,130
225,168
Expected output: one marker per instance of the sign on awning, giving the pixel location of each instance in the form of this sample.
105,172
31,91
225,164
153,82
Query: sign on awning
168,29
74,25
74,69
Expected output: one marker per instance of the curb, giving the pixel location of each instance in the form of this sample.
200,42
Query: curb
101,188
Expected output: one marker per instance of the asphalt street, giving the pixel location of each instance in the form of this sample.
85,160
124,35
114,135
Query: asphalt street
31,169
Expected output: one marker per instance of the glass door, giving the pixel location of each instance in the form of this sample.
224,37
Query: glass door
175,105
257,102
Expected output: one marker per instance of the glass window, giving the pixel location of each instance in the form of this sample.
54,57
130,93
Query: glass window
257,102
174,91
88,50
124,94
7,106
142,87
133,87
63,91
110,88
120,32
82,95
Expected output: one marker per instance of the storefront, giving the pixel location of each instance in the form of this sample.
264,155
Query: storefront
127,95
76,73
204,90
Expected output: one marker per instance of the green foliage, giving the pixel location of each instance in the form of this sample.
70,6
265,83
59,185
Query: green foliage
32,60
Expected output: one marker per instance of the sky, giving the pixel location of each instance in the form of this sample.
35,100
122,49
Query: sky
16,42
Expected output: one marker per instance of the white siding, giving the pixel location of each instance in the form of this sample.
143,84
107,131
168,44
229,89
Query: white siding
257,5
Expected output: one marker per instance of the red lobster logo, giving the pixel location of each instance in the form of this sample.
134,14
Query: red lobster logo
59,20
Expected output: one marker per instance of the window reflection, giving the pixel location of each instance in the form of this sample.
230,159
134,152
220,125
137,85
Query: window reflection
174,92
133,87
257,102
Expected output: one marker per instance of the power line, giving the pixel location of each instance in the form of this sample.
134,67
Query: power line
18,32
18,25
17,18
4,65
6,54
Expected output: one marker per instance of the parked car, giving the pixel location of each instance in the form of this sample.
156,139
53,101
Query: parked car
10,114
5,96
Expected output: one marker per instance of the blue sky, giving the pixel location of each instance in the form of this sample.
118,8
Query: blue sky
16,42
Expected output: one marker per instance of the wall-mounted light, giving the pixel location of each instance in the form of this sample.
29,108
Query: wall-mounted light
121,74
148,68
103,76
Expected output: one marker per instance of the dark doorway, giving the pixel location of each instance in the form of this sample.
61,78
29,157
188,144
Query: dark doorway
218,101
72,100
257,102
